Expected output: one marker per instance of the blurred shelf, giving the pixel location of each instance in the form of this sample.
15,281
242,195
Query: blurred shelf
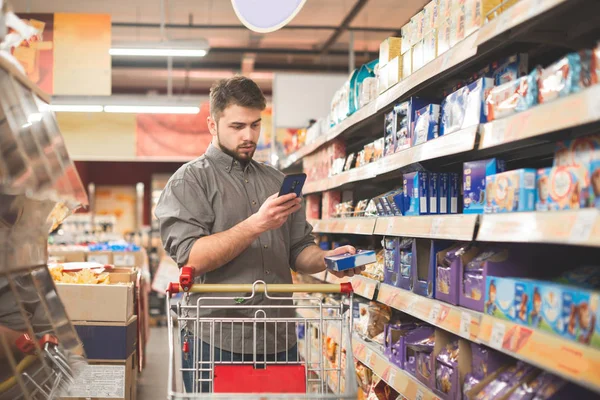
364,287
577,227
405,384
571,111
456,320
452,226
573,361
357,225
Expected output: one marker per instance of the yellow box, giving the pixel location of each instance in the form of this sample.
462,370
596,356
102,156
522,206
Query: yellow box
394,69
382,79
476,12
457,25
444,33
417,56
389,49
430,49
406,37
407,64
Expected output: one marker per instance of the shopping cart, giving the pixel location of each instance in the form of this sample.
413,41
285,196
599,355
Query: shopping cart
314,369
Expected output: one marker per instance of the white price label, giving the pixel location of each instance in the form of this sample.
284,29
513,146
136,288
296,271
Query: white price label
390,227
436,223
369,358
497,338
420,394
392,377
583,226
465,324
434,313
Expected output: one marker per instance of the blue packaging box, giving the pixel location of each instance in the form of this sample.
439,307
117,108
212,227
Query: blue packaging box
108,340
508,299
405,117
453,192
510,191
426,127
510,69
562,188
395,200
466,106
349,261
434,193
391,261
444,181
416,193
474,183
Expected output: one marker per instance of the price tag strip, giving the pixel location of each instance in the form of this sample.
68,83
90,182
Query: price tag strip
364,286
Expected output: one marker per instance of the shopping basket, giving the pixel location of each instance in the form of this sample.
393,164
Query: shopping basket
316,368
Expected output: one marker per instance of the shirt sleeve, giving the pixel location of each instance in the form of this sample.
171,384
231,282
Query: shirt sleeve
301,235
185,215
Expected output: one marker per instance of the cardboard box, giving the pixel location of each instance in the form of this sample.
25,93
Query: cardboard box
110,303
407,63
123,275
424,263
108,340
106,380
430,50
128,259
451,374
391,261
450,263
416,193
562,188
406,38
394,69
510,191
389,49
68,256
100,257
383,77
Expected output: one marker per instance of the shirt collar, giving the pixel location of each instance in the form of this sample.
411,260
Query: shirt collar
225,160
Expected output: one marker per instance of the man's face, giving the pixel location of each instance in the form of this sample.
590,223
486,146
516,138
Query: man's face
237,131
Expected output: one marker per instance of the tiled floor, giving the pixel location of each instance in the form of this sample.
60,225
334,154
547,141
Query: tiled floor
152,383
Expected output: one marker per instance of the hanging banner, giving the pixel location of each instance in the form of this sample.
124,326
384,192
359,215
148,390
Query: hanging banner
265,16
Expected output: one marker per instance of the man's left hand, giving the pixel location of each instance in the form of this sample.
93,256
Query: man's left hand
348,272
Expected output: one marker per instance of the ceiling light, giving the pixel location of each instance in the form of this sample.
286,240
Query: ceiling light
157,52
75,108
152,109
170,48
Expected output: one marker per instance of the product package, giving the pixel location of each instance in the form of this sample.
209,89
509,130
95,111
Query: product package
425,264
474,183
395,69
418,55
508,298
405,115
434,193
510,69
330,200
449,265
476,12
466,106
350,162
407,63
394,345
406,38
457,22
495,262
561,78
510,191
453,192
370,320
406,277
389,129
511,97
430,12
486,361
506,380
348,261
416,193
426,124
391,261
562,188
443,37
419,344
430,46
447,382
393,202
444,202
389,49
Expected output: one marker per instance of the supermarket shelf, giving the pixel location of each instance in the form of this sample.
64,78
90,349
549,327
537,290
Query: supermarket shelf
397,378
447,145
23,79
345,126
578,227
457,320
357,226
574,110
455,226
364,287
571,360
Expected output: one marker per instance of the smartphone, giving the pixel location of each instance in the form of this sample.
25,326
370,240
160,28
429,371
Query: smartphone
292,184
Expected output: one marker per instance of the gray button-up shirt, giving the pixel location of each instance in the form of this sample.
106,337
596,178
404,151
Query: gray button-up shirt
212,194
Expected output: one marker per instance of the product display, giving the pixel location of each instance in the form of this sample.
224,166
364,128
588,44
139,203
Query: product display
475,175
510,191
348,261
426,124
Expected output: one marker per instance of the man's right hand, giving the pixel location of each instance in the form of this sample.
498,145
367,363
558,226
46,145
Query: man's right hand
275,211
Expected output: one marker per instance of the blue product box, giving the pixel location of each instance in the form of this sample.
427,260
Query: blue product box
389,133
466,106
510,191
108,340
453,192
405,256
508,299
474,181
562,188
426,124
444,181
395,203
387,208
349,261
510,68
416,193
391,261
405,114
434,193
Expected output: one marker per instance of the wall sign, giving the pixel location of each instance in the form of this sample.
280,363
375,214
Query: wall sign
265,16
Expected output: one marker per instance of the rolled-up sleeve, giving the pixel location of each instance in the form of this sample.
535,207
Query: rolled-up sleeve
301,236
185,215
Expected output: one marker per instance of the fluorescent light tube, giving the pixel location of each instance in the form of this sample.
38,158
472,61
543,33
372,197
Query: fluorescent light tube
75,108
152,109
157,52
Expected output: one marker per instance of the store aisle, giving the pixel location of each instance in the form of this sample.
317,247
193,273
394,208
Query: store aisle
152,383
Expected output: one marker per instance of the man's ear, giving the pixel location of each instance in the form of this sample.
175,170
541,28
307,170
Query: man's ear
212,125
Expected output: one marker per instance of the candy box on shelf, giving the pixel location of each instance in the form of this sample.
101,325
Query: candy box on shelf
466,106
394,345
508,298
511,191
424,264
389,49
502,382
418,347
451,361
486,361
580,151
426,124
562,188
510,68
389,129
434,193
391,260
511,97
405,253
476,12
348,261
416,193
474,182
450,262
562,78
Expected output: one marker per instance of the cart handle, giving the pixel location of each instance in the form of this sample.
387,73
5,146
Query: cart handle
262,288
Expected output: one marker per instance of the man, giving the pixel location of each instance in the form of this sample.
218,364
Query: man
221,214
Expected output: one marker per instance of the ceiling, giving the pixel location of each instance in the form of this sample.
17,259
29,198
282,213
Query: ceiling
319,44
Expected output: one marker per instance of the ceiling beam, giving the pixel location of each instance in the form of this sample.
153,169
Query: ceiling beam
235,27
358,6
230,66
277,51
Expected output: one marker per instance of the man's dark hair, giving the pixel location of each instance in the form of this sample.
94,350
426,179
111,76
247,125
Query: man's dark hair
238,90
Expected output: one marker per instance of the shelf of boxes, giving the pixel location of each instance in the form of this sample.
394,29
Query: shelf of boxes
357,226
397,378
577,227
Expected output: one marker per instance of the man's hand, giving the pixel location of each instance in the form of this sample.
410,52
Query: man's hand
275,211
348,272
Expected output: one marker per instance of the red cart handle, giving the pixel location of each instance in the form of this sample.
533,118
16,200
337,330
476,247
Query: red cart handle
27,346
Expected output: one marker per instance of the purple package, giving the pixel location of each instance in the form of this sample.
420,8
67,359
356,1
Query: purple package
447,383
551,387
420,340
447,277
486,361
425,265
405,278
491,261
470,382
444,379
501,384
423,370
394,335
391,261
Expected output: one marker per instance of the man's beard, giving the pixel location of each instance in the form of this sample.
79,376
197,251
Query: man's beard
243,158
